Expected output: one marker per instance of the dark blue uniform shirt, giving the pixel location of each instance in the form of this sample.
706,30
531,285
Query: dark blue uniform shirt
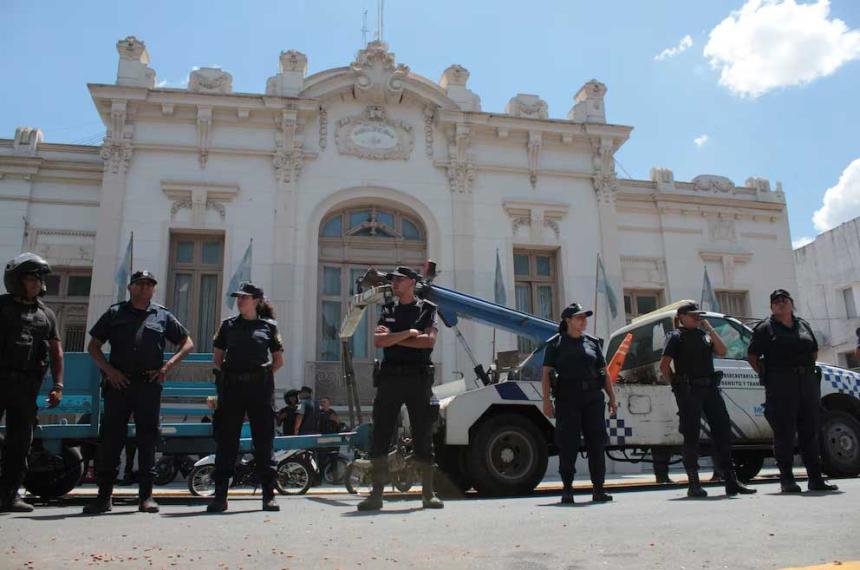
691,351
574,359
247,343
25,331
784,346
398,317
137,336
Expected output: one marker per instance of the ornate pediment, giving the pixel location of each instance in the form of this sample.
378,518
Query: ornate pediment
711,183
372,135
210,80
378,78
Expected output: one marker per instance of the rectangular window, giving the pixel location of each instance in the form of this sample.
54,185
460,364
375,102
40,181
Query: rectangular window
68,292
73,337
734,303
535,287
850,305
194,285
638,302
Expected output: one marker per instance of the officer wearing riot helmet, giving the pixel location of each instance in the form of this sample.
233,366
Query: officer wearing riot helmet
783,352
691,349
246,385
28,342
136,330
577,360
407,333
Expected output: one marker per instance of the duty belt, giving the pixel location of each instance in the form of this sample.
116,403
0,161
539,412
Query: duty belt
404,368
685,380
141,376
793,369
245,376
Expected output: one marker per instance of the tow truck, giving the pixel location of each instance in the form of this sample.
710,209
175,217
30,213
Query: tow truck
492,434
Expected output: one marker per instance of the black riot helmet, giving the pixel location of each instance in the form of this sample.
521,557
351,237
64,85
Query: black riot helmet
24,264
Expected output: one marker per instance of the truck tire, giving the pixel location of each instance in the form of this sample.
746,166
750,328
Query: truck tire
747,463
840,444
508,456
51,476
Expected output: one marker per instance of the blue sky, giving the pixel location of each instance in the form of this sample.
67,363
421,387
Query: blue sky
784,109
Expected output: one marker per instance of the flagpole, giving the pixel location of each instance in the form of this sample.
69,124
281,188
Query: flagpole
596,278
131,255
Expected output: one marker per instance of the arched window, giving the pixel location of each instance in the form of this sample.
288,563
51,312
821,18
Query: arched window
350,241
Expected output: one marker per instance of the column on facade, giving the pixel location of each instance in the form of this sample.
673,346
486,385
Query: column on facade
605,187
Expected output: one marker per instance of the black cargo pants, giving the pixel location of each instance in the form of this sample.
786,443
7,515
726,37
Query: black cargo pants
581,413
793,407
693,401
18,393
240,394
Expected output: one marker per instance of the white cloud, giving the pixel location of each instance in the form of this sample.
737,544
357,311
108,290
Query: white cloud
778,43
685,44
801,241
841,202
701,140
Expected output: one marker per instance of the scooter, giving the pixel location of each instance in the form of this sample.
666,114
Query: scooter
294,473
169,465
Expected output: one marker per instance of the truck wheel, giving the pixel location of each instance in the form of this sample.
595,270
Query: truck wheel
840,444
52,476
747,463
507,457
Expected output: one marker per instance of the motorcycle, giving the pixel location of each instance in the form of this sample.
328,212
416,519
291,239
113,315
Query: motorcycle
169,465
333,467
403,469
294,473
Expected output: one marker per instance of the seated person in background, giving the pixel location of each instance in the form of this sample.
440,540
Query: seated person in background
328,417
286,416
308,413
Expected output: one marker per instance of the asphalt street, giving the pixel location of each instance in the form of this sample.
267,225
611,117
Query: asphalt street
645,527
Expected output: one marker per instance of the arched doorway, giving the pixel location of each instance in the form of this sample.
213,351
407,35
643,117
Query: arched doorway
351,239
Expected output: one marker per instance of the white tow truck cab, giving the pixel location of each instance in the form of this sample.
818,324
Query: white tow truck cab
497,439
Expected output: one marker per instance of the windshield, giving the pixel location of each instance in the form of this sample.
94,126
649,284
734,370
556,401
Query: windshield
736,336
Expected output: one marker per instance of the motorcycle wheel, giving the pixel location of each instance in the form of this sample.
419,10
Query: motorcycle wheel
200,481
293,477
334,471
165,470
357,479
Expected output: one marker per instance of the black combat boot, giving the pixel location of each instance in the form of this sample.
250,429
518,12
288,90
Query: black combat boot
374,501
269,502
787,484
428,498
146,504
102,502
598,495
567,492
816,481
694,486
219,501
10,502
735,487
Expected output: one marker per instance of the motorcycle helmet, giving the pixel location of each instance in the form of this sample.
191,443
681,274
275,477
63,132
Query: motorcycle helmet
25,264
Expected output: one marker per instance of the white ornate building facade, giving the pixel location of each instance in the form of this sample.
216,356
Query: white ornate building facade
371,164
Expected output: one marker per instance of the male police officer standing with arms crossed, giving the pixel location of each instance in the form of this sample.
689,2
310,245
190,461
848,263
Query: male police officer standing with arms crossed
407,332
783,352
28,336
136,330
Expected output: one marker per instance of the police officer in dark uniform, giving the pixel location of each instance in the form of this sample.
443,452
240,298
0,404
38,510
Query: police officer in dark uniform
691,349
136,330
580,368
28,341
407,332
783,352
246,385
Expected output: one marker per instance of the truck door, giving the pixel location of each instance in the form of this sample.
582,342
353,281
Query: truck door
647,413
742,393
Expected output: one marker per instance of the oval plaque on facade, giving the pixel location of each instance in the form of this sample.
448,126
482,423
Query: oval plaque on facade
374,136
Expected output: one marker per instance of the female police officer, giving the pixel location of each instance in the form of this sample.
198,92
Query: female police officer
691,349
783,352
578,361
246,385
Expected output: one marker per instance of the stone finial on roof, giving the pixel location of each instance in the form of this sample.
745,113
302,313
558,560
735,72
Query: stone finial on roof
133,69
588,103
27,140
291,80
210,80
453,83
527,106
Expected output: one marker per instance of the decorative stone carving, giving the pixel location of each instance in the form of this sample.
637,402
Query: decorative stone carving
133,69
204,134
711,183
722,229
429,114
218,206
534,146
453,83
588,103
538,217
323,128
117,147
604,178
527,106
211,80
461,168
378,80
27,140
553,225
758,184
289,155
372,135
664,178
290,81
184,203
199,198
